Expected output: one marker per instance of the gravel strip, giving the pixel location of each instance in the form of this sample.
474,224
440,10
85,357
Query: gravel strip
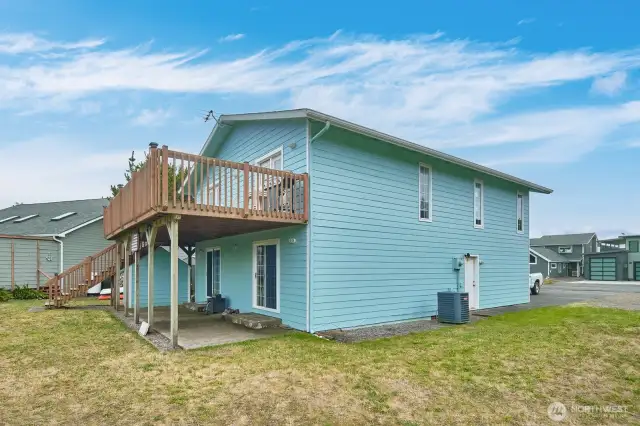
627,301
360,334
159,341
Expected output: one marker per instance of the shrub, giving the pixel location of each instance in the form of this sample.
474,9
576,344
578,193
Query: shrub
5,295
26,293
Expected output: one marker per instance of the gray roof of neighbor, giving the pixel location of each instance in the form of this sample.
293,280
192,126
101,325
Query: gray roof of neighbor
42,224
561,240
549,254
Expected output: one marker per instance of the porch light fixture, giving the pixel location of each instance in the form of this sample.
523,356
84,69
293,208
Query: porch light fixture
292,240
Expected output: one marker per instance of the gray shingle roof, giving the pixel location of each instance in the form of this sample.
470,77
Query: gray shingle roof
42,224
561,240
549,254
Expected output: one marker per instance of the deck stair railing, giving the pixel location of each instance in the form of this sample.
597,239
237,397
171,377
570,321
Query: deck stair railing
78,279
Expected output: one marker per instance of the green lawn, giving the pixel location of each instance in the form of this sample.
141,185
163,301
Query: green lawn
84,367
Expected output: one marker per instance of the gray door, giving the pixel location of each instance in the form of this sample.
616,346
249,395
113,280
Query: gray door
603,269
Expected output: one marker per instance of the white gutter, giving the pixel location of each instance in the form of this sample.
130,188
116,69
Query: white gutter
61,252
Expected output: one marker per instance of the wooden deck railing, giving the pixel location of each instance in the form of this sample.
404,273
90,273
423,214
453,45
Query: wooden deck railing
76,280
176,182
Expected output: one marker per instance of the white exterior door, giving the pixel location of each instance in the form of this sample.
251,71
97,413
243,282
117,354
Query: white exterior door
472,280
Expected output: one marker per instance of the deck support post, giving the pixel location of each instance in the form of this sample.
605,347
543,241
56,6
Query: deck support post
189,251
172,226
125,281
116,278
151,232
136,303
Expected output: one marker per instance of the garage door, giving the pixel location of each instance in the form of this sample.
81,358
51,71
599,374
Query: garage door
637,271
603,269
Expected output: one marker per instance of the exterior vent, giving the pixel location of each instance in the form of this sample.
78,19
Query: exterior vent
22,219
64,215
7,219
453,307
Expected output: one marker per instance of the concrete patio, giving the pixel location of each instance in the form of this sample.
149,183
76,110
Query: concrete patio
197,330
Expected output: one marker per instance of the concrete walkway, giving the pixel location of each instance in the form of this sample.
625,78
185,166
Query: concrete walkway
197,330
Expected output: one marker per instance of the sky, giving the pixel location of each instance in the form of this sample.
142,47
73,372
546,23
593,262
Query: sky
548,91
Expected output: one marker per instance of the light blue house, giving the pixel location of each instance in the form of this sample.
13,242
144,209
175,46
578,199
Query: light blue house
387,223
390,220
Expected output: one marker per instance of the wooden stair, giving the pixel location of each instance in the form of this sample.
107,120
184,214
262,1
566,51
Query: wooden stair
78,279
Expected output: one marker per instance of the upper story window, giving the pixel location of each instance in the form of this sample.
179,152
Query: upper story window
533,260
634,246
425,192
478,203
272,160
520,213
565,249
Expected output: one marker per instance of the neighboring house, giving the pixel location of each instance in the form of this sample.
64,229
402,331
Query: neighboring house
375,227
618,259
572,247
39,240
548,262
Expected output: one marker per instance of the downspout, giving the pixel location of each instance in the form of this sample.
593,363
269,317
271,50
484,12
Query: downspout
308,289
309,140
61,253
321,132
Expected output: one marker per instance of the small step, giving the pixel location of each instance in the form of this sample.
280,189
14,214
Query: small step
194,306
253,321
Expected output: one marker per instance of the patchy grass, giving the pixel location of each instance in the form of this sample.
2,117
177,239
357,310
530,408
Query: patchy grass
85,367
548,281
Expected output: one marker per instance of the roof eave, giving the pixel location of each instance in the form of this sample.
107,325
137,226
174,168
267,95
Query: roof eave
347,125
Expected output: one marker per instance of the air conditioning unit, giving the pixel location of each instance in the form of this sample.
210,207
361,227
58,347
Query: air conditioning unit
453,307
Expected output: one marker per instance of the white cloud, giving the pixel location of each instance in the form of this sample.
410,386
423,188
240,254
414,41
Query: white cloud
57,170
444,93
526,21
152,117
610,85
15,43
231,37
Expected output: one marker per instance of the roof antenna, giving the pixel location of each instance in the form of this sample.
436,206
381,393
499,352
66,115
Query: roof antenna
211,115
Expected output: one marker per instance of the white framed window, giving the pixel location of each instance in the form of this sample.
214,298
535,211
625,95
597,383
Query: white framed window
478,203
266,275
425,192
520,213
553,265
565,249
533,260
213,274
272,160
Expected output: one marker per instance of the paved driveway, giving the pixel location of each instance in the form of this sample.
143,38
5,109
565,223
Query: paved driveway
565,292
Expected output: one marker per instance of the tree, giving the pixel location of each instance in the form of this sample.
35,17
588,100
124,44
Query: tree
177,174
133,167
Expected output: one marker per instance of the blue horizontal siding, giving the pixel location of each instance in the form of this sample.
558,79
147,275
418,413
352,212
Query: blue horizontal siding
248,141
373,261
162,280
236,265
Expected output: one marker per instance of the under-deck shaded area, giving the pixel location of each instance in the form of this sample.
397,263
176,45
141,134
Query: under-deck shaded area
198,330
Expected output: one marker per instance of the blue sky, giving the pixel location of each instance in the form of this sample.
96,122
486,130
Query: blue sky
548,91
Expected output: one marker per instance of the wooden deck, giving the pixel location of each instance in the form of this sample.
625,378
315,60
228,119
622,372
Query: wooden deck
213,197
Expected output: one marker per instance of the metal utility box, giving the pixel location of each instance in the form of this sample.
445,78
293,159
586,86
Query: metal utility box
453,307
